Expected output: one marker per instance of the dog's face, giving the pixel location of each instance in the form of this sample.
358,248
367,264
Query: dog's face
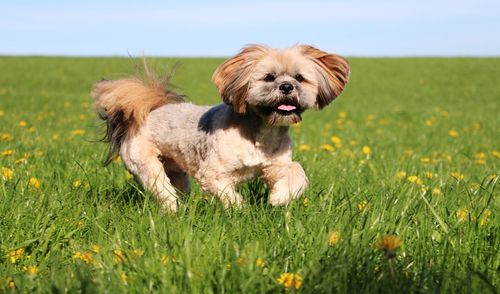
278,85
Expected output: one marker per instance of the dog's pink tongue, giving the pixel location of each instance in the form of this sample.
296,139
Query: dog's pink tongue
285,107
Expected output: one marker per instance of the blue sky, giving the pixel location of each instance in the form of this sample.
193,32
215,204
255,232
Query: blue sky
220,28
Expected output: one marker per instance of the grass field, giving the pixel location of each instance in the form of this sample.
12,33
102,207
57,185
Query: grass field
403,196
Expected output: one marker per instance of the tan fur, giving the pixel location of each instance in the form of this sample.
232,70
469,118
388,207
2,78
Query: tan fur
264,91
131,96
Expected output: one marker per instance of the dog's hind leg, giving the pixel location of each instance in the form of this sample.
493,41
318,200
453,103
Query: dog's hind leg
141,158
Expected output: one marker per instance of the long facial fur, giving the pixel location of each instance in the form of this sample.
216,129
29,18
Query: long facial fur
242,83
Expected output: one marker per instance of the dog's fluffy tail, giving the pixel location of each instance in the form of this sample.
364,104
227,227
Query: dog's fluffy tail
124,105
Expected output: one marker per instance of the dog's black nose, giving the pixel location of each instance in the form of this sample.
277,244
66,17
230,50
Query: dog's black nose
286,88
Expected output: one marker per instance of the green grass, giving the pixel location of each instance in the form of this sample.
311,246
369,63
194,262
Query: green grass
402,109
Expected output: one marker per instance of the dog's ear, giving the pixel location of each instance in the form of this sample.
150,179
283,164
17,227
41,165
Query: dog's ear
233,76
333,71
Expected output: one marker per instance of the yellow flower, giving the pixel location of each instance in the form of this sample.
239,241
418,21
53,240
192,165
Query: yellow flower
10,283
119,257
370,117
415,179
6,137
7,173
429,175
260,262
77,183
437,192
30,270
95,248
333,238
304,147
495,154
82,117
306,202
77,132
86,257
453,133
23,123
389,244
296,125
2,113
124,278
353,143
366,150
362,205
401,174
8,152
458,176
138,252
164,259
429,122
327,147
290,280
15,255
485,217
35,183
342,114
425,160
21,160
336,141
462,214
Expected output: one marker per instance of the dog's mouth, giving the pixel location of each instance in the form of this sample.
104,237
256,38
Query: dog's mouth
283,112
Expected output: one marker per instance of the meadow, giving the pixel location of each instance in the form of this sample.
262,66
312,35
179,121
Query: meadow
403,196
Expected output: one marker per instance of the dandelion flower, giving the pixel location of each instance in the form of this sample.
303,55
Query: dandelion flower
336,141
306,202
23,123
260,262
2,113
35,183
119,256
366,150
437,192
138,252
86,257
425,160
10,283
429,122
164,259
21,160
95,248
6,137
342,114
124,278
77,183
304,147
333,238
453,133
389,244
429,175
401,174
458,176
15,255
495,154
30,270
462,214
362,205
77,132
327,147
290,280
7,173
415,179
8,152
485,217
370,117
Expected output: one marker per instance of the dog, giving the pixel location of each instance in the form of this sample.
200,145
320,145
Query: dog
164,140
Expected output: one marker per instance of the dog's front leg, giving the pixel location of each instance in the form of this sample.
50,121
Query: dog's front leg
286,181
225,190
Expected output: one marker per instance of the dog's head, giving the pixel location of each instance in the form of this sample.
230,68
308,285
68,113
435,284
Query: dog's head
279,84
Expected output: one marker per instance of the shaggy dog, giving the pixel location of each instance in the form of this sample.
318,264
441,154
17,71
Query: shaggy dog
164,140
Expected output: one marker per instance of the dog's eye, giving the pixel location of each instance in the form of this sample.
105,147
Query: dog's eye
269,78
299,78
